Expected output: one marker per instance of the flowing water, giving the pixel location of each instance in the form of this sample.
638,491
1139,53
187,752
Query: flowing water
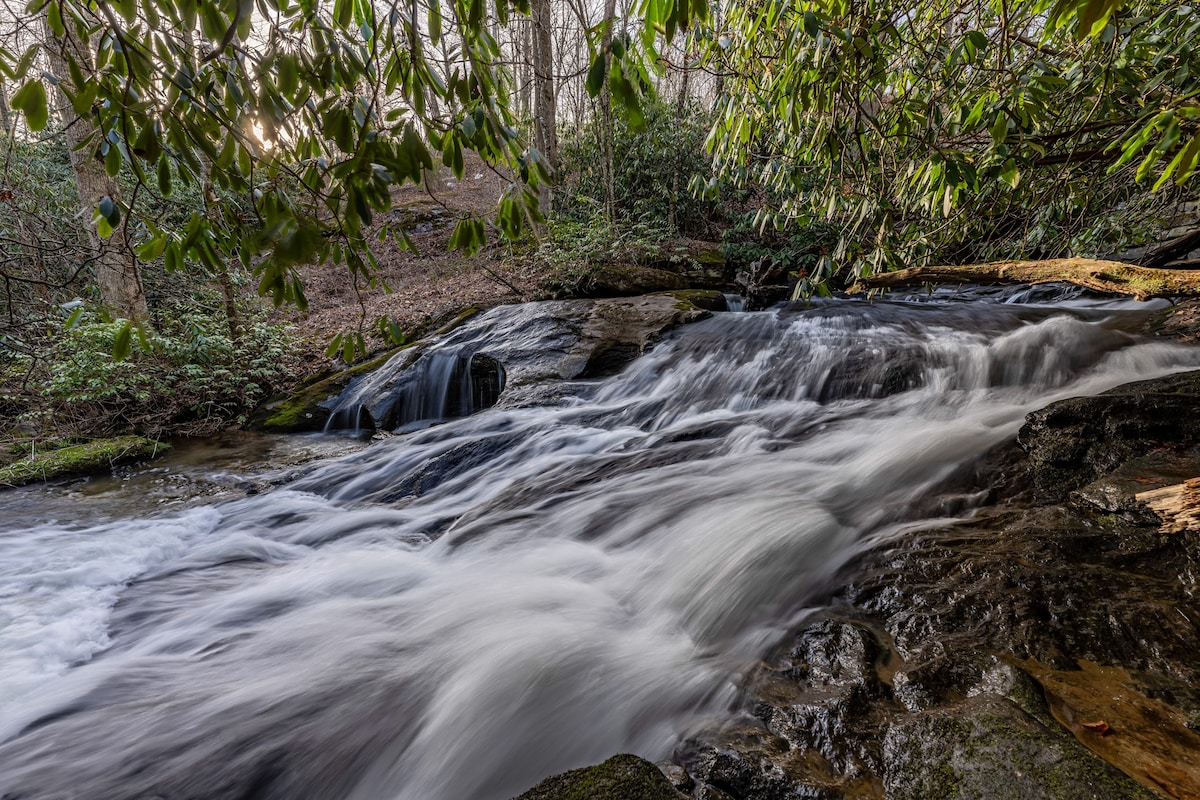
462,610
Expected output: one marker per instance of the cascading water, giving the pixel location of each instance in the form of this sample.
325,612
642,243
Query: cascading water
463,610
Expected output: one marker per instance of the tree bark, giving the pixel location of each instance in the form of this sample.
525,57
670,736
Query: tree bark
1113,277
606,118
545,106
5,110
118,274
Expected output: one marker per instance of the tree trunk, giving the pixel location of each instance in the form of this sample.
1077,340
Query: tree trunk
680,110
1113,277
118,274
608,167
545,106
524,63
5,111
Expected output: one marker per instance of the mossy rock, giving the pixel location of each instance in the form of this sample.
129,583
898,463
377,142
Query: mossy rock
703,299
81,459
302,410
988,748
623,777
628,280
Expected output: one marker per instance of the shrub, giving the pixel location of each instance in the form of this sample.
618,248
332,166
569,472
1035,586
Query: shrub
189,376
652,171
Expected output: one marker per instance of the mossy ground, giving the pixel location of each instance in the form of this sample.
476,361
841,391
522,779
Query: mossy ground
80,459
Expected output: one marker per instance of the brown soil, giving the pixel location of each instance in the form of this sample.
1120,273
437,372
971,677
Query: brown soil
427,286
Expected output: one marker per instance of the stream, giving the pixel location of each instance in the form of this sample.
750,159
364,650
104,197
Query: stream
461,610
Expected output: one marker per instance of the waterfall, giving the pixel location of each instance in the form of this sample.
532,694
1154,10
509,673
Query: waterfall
461,610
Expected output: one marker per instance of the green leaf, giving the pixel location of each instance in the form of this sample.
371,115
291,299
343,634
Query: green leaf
999,129
109,211
1010,174
123,342
596,73
164,176
153,249
54,19
334,346
811,24
30,99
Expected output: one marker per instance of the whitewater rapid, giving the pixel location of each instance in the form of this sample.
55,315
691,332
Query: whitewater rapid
459,611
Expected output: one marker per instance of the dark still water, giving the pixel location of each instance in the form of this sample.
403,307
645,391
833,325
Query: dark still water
460,611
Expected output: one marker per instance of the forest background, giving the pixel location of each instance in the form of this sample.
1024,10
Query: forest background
206,202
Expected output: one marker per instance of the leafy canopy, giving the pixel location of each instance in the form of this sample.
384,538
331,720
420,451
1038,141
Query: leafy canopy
311,110
932,128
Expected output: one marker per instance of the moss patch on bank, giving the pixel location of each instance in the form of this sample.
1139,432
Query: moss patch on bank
80,459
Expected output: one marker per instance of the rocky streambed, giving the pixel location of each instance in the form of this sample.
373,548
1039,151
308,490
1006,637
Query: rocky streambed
1046,647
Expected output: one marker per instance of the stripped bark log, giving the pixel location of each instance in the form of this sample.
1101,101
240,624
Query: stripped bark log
1177,506
1113,277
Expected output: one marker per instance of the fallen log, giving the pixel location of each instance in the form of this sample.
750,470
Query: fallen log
1177,506
1113,277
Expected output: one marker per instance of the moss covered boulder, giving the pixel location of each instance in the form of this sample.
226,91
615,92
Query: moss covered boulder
623,777
80,459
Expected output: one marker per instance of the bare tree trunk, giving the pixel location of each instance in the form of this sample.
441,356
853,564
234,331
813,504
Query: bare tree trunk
5,111
545,106
525,80
606,116
118,274
680,110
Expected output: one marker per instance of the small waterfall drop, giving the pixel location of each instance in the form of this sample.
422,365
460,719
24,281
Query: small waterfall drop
441,384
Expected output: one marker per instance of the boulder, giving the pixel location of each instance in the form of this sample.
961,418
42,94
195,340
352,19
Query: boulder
622,777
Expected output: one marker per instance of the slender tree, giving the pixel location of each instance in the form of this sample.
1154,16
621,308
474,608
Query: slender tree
118,273
545,110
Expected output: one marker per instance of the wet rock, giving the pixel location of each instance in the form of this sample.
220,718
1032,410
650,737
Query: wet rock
580,339
986,747
929,674
623,777
1181,322
676,774
630,280
1073,442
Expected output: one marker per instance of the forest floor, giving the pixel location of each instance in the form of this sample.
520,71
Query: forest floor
422,287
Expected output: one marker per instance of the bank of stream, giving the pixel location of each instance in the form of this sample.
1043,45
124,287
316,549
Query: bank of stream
798,552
